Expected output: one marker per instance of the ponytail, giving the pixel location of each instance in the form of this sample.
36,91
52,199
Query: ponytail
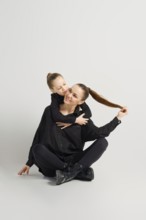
102,100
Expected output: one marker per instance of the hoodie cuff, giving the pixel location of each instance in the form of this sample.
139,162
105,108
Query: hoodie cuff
29,163
118,121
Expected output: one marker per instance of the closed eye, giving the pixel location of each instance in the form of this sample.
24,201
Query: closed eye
74,95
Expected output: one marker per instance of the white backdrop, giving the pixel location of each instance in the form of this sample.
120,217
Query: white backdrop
100,43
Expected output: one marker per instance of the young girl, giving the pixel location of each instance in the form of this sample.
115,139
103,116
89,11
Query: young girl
59,87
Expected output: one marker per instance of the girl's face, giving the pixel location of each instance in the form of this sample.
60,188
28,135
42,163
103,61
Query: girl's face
74,96
59,86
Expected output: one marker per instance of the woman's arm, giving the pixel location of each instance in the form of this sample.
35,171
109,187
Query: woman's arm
91,132
30,162
36,139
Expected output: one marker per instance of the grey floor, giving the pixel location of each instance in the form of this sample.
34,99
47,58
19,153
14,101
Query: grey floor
116,193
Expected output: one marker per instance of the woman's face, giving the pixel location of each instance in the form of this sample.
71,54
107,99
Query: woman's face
74,96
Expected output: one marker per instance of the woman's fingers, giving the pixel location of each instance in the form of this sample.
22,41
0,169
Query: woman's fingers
27,171
23,170
122,113
124,110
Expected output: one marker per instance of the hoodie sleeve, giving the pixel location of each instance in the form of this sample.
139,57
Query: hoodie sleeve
36,139
91,132
85,108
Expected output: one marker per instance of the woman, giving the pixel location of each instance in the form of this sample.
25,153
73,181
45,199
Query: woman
59,152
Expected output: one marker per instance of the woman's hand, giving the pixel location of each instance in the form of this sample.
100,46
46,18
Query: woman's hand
81,121
63,125
24,170
122,113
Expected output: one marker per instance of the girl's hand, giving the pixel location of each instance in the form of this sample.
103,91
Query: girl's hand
81,121
122,113
24,170
63,125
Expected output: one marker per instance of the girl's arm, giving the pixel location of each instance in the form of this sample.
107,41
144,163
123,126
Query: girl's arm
85,108
59,117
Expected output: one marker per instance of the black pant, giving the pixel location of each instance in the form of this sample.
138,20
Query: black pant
48,162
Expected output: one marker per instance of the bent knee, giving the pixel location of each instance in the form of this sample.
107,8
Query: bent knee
104,143
37,148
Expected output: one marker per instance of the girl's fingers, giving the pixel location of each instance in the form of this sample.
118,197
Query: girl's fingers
63,127
82,115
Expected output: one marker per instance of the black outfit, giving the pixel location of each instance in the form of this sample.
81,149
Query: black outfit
56,100
53,148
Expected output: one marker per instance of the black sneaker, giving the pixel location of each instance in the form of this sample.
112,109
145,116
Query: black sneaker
86,174
68,173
